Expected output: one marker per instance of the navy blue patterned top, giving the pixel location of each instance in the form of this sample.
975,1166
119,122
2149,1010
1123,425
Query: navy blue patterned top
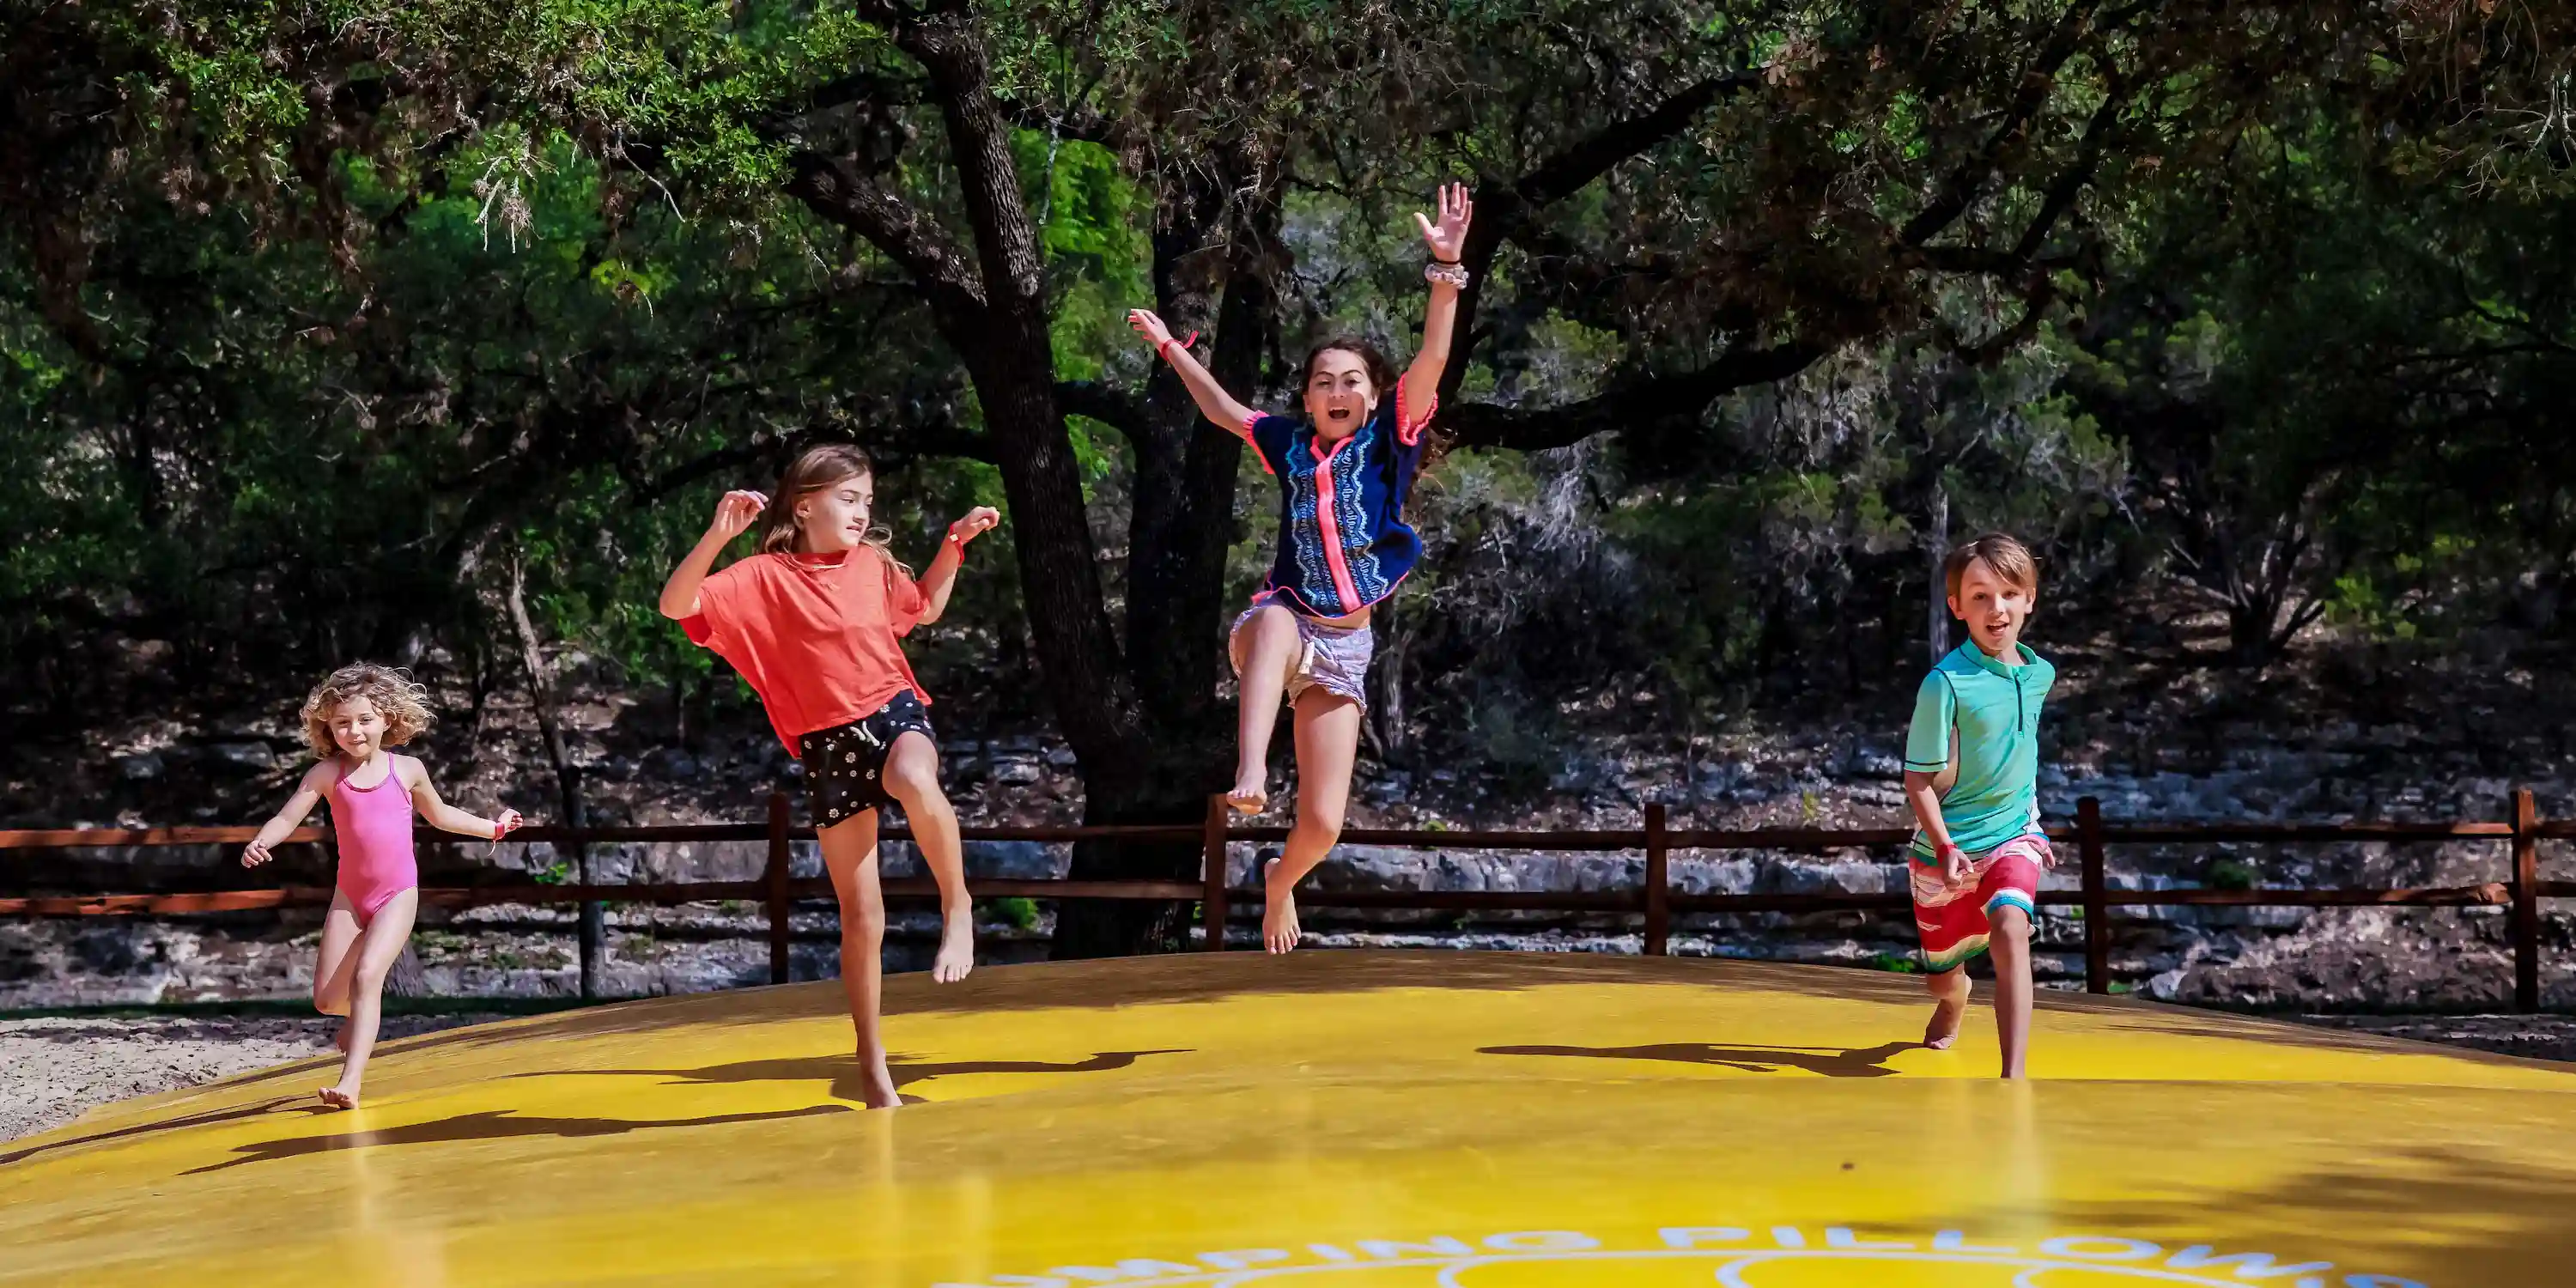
1343,541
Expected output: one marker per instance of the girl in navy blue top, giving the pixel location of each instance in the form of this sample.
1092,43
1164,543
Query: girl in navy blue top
1344,471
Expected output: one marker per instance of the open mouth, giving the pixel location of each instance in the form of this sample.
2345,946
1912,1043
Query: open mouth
1340,415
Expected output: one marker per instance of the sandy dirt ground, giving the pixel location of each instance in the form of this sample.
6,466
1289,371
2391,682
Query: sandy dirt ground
53,1069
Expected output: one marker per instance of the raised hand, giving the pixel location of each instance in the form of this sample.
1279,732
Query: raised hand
1150,327
735,512
977,522
1448,238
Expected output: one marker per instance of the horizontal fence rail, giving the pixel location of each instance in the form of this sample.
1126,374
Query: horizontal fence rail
1654,900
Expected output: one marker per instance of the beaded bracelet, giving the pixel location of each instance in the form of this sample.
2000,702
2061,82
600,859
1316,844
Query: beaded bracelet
1449,271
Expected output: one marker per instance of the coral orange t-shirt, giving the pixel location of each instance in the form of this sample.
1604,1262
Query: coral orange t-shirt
815,635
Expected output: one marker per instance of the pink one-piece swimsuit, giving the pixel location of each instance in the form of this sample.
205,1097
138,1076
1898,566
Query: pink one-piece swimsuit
373,825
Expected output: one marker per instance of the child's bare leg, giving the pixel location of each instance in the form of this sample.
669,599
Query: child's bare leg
1949,990
1328,740
850,856
333,965
1265,649
912,778
378,946
2009,943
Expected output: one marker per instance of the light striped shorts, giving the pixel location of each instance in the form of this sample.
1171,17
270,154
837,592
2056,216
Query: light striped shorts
1332,658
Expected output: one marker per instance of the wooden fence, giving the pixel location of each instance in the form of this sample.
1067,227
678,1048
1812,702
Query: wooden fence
1653,900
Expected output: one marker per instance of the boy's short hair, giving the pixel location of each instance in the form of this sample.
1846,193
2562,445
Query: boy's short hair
2001,554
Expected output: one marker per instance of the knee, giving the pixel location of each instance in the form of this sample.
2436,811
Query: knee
2011,925
863,925
330,1004
911,777
1323,822
863,914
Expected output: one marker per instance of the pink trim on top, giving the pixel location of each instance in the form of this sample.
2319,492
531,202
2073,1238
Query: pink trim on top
1250,419
1408,432
1325,524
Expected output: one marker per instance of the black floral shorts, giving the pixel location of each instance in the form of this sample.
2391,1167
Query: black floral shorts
845,764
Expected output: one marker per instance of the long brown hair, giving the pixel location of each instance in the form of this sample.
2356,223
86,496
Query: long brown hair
815,469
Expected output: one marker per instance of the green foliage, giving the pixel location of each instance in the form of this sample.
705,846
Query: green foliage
307,341
2231,874
1015,912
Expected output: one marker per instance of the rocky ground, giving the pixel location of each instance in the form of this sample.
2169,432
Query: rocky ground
2538,1037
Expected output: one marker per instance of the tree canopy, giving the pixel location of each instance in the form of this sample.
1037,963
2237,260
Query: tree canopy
319,316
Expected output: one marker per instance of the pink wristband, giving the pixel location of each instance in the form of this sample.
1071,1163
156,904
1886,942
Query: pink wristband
1163,350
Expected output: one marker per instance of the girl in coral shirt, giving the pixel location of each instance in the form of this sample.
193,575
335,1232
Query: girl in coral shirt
812,622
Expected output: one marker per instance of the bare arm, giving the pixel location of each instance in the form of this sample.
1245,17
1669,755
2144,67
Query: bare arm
1926,801
291,815
1446,239
1214,402
733,514
445,817
941,576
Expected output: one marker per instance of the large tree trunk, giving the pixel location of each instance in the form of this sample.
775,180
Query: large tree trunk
1127,723
1207,277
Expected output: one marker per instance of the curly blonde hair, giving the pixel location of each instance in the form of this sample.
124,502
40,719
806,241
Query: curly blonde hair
402,702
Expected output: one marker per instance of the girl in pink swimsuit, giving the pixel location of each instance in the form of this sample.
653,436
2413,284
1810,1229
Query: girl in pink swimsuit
349,721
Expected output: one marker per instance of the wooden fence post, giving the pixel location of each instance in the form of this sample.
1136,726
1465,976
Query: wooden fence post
2097,896
1659,905
2526,902
775,877
593,923
1212,893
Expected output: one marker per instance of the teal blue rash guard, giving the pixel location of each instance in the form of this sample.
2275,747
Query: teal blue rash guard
1994,709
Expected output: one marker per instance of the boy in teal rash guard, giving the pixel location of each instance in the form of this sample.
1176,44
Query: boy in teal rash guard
1971,775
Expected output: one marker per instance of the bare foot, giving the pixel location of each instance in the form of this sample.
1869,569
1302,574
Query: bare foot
1251,792
339,1099
956,951
879,1092
1279,930
1944,1028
